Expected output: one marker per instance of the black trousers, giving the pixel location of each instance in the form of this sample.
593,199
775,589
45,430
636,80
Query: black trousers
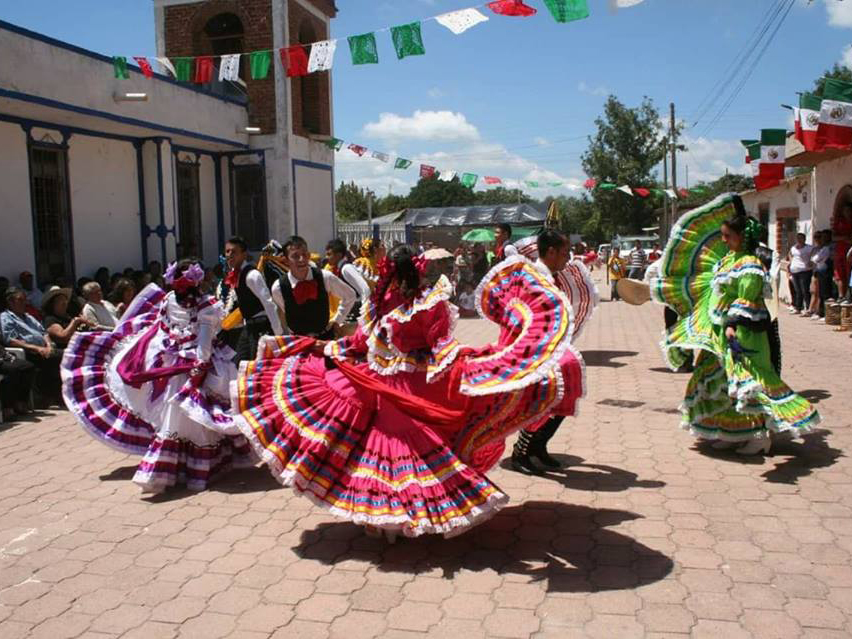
802,290
826,288
254,329
48,384
18,380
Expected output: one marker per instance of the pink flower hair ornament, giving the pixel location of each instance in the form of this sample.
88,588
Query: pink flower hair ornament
182,282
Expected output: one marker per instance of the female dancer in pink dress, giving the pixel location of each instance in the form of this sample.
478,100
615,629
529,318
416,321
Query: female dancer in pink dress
157,385
394,427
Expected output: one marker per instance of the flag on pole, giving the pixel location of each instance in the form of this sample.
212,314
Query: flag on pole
515,8
835,116
625,189
427,171
492,180
229,67
363,49
407,40
119,67
462,20
204,69
334,143
259,63
770,168
568,10
469,180
384,157
806,119
145,66
401,163
446,176
748,144
357,149
168,66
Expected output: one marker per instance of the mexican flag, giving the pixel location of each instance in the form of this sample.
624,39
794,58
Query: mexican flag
748,144
806,119
835,116
767,158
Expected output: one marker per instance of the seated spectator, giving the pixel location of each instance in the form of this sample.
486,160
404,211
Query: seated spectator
60,326
22,330
122,295
99,313
32,292
142,280
102,277
155,270
18,379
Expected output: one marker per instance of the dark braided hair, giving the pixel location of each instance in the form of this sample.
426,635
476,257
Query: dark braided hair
190,296
747,227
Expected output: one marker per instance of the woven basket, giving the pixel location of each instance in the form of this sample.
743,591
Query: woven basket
832,313
846,316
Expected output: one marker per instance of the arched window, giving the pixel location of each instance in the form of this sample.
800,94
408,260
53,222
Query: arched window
309,98
223,34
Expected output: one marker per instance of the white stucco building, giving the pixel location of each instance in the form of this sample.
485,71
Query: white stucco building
91,178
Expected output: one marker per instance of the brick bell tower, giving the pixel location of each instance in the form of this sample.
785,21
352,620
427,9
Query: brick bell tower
293,115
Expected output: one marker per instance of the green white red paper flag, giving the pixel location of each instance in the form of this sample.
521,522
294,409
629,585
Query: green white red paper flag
532,184
460,21
407,40
488,179
625,189
614,5
295,61
384,157
168,66
567,10
229,67
357,149
119,67
401,163
514,8
259,63
446,176
555,183
183,69
590,183
145,66
806,119
641,191
204,69
469,180
322,56
334,143
606,186
427,171
670,192
835,116
363,49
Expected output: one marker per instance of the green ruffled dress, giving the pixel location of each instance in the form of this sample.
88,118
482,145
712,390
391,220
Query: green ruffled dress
711,288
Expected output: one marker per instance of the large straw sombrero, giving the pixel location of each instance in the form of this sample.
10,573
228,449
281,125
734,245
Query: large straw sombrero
633,291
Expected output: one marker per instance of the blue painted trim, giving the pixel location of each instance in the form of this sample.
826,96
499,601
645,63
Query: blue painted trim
13,28
65,130
144,231
112,117
311,165
220,213
161,229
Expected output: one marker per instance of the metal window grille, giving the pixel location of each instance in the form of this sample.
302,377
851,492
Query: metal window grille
51,215
189,211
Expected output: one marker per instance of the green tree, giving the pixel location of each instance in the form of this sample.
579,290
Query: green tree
390,204
350,200
626,149
501,195
433,192
837,72
703,192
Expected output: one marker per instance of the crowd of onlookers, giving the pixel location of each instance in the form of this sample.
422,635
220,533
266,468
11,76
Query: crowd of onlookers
811,275
633,266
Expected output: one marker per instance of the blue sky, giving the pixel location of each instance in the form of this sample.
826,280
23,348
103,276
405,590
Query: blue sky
516,97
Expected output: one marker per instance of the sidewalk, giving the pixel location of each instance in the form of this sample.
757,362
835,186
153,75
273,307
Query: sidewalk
642,536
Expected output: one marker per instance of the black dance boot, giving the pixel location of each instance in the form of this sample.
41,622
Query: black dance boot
521,461
538,446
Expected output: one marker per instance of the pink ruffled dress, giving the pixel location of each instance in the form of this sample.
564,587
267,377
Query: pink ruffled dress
395,426
130,388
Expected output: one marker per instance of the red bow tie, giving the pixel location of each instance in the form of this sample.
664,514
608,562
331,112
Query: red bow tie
232,279
305,290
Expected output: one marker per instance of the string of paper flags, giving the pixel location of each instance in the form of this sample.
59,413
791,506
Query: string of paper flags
303,59
470,180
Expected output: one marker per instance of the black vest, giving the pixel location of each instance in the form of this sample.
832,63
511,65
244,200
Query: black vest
310,318
247,301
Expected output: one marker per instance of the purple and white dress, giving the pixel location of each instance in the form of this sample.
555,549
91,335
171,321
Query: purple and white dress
131,388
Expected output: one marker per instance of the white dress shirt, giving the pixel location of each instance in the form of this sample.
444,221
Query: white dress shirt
333,285
102,315
257,285
353,277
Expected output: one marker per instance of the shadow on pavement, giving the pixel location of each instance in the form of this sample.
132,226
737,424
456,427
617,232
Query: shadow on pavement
811,453
566,546
604,358
581,476
815,395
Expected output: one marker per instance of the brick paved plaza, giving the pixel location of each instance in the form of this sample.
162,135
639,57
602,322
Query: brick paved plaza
642,536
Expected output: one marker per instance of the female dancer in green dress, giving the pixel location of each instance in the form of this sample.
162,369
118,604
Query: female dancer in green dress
711,277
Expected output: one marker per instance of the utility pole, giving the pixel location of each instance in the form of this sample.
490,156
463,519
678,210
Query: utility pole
664,221
673,135
370,209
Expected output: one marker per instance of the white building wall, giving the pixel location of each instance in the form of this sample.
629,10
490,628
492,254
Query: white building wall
207,189
102,178
829,178
18,252
793,193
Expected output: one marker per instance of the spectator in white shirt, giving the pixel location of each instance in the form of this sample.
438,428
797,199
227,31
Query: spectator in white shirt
99,313
822,272
467,305
801,270
637,260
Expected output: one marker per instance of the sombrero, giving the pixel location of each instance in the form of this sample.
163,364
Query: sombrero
52,292
633,291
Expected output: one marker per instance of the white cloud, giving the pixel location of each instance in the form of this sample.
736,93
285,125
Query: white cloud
422,125
541,141
839,13
846,58
709,158
599,90
435,93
